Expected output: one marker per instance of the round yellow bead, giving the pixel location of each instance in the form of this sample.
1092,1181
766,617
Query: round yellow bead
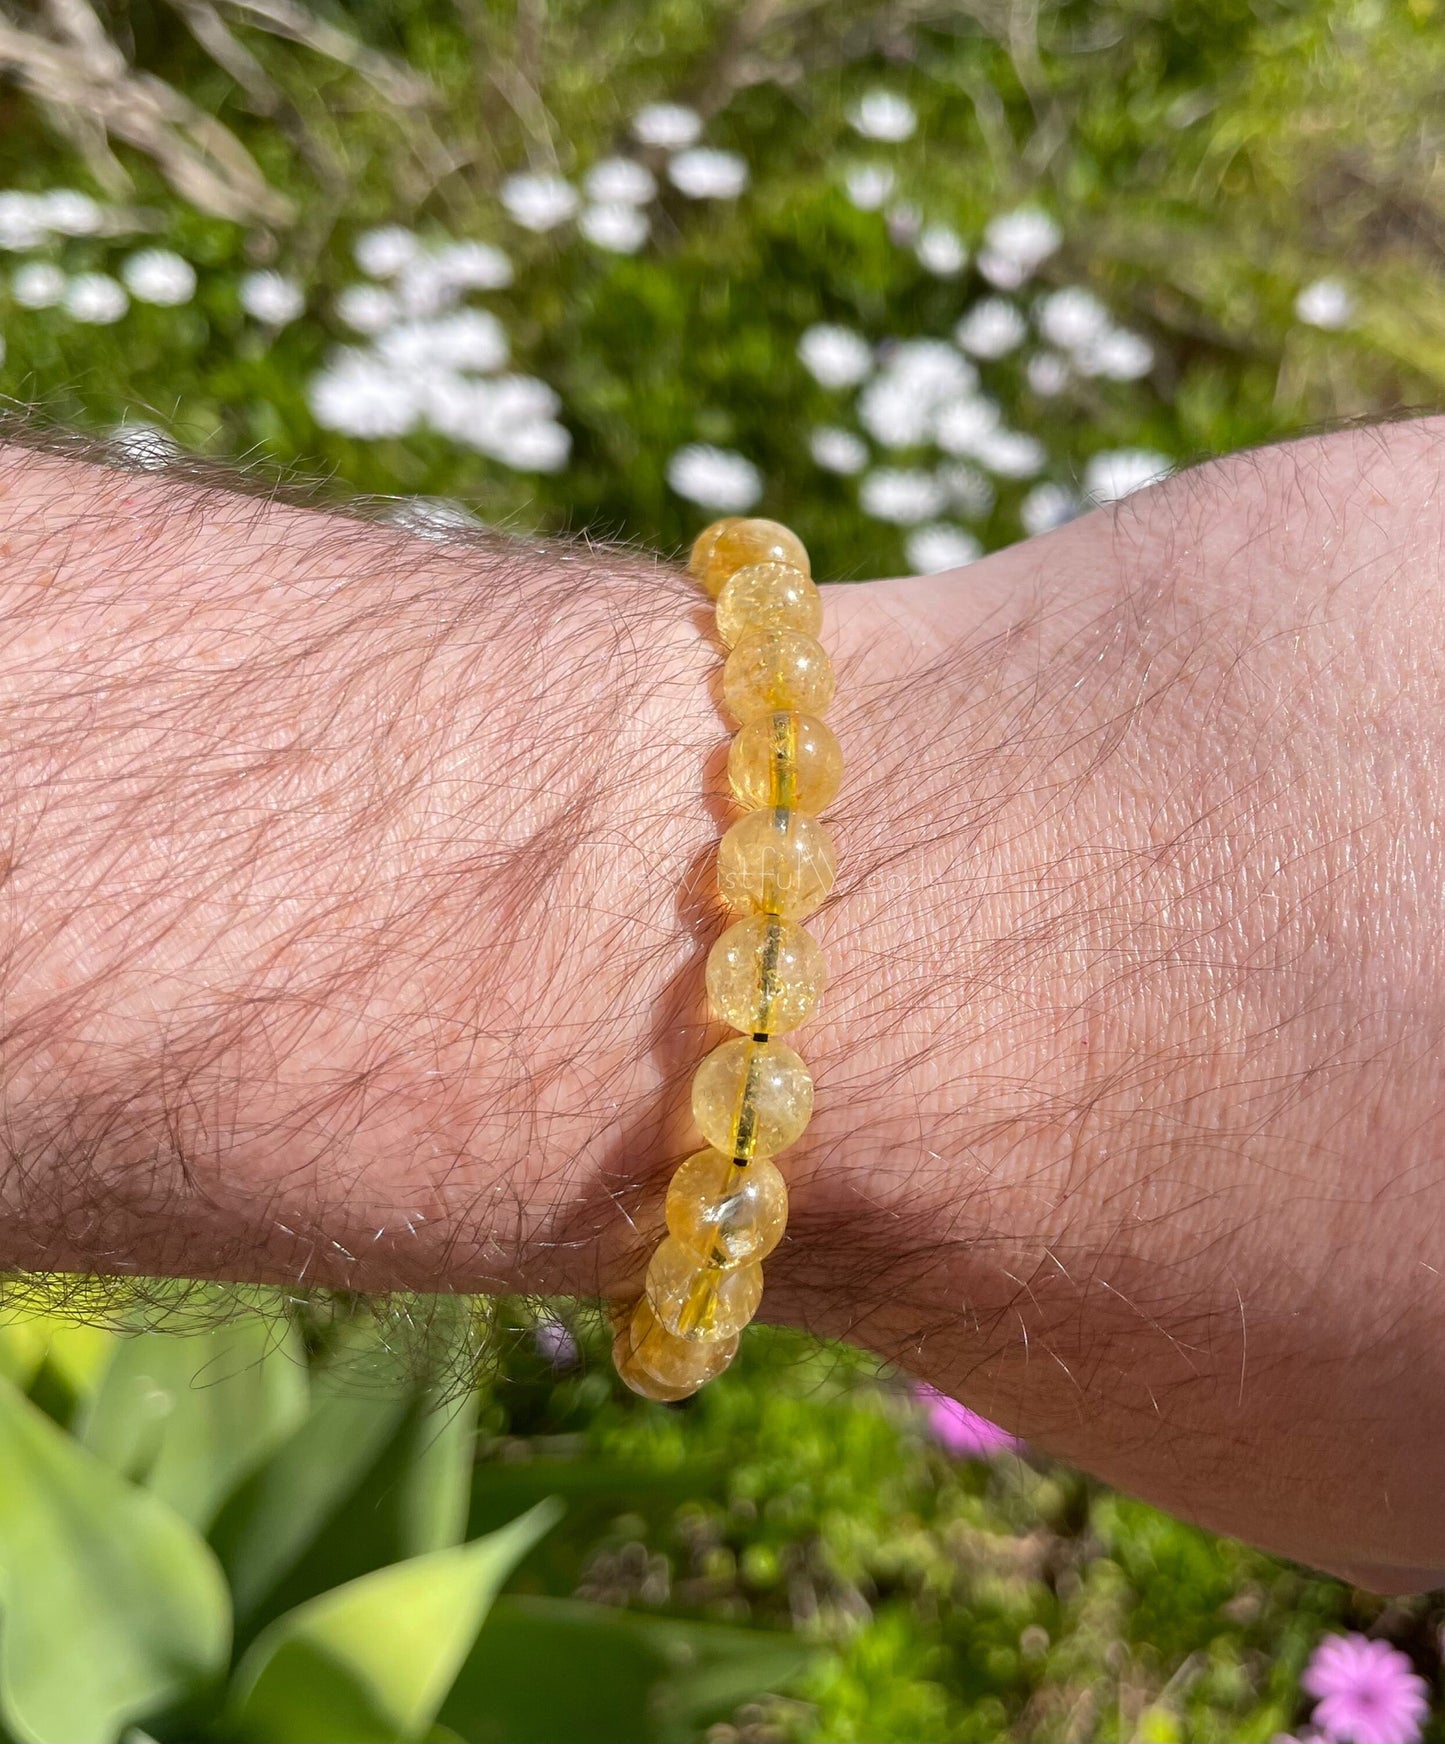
723,1214
768,596
752,1099
765,975
704,546
786,759
771,670
702,1304
751,541
776,861
674,1361
632,1374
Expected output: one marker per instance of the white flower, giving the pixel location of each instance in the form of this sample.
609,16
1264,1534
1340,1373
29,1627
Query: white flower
1010,454
705,173
536,447
920,377
69,213
38,285
143,446
940,251
467,339
903,495
359,396
1327,303
967,488
1117,355
158,275
620,181
1048,373
1071,318
382,253
509,417
539,202
838,450
96,299
883,115
715,478
869,186
473,266
21,224
1002,271
1118,471
963,425
893,413
432,517
1025,237
423,289
524,399
835,357
933,366
991,328
615,226
939,546
1045,507
366,308
271,297
668,126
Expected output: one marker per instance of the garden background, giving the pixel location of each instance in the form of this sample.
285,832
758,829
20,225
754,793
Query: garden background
918,279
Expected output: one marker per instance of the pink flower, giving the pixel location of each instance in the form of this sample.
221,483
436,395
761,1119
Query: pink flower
960,1431
1367,1691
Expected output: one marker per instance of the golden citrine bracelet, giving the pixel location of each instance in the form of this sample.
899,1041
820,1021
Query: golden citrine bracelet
752,1096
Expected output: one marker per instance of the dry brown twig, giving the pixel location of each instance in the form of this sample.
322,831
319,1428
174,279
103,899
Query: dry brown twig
65,59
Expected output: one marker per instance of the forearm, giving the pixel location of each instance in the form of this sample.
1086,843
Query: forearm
359,891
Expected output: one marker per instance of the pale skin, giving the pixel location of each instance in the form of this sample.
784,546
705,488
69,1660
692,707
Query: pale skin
356,896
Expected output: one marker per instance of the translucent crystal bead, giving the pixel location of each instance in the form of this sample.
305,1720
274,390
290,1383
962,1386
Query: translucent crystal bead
726,1214
765,975
752,1099
776,861
702,1304
704,546
777,669
630,1371
768,596
674,1361
786,759
753,541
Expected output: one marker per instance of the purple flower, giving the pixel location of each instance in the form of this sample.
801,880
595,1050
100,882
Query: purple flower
960,1431
556,1344
1367,1691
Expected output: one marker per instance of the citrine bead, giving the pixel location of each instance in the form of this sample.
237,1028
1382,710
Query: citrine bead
768,596
750,1098
704,546
703,1304
674,1361
765,975
739,542
632,1373
776,861
725,1213
771,670
786,759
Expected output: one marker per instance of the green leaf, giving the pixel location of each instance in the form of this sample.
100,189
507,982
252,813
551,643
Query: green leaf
630,1678
372,1661
278,1513
190,1417
112,1606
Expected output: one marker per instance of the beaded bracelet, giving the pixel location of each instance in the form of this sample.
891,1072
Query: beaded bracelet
752,1096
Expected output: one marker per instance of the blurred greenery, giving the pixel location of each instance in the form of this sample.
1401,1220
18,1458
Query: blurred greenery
272,1526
